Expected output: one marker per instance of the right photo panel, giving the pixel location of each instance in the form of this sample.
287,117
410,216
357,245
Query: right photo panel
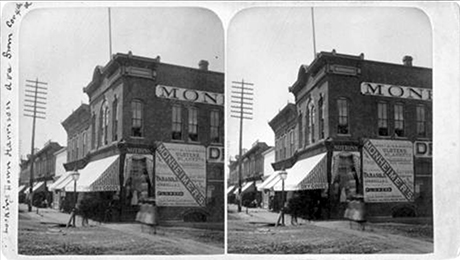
329,138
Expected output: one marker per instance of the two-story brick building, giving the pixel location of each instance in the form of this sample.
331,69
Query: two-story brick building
43,173
358,127
252,173
156,133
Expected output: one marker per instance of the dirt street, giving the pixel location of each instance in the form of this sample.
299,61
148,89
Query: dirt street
45,234
254,233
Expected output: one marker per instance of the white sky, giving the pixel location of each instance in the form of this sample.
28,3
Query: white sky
266,47
63,46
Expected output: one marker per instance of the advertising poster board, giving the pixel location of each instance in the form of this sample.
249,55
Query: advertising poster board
388,171
180,175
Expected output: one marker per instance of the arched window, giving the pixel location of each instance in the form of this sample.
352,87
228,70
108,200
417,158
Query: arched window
312,122
307,126
93,131
136,118
321,117
115,119
103,123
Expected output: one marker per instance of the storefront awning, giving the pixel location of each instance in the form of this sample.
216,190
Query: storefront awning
245,187
100,175
61,182
230,189
307,174
248,187
22,188
38,186
273,179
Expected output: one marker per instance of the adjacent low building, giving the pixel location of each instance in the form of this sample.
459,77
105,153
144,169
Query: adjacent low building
252,174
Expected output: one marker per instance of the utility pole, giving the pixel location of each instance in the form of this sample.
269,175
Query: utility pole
242,97
110,35
32,108
313,27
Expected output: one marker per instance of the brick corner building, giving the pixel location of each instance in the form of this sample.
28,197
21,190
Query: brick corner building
153,132
358,128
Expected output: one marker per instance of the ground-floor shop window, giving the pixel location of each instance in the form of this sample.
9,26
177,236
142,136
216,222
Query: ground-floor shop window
138,174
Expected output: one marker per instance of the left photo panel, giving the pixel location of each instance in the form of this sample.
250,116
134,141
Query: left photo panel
120,131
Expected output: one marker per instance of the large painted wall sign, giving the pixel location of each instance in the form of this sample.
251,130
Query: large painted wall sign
388,170
180,175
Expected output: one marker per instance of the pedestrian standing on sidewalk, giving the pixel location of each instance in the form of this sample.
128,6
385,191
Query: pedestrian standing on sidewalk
294,209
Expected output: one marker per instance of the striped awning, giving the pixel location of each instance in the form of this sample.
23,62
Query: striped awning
100,175
268,183
38,186
230,189
61,182
307,174
22,188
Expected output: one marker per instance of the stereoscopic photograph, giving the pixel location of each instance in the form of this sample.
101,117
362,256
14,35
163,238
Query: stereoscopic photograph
335,152
230,130
121,130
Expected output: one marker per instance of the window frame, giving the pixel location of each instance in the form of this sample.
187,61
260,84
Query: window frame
382,117
399,119
421,120
135,118
115,119
176,116
340,116
192,126
215,127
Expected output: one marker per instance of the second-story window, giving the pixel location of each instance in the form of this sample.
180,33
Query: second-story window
215,127
115,119
136,118
285,146
83,143
382,110
93,131
292,145
312,124
421,121
105,123
176,123
193,124
321,117
300,127
77,144
343,126
399,120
